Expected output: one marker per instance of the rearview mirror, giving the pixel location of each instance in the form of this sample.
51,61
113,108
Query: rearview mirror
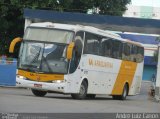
13,43
70,50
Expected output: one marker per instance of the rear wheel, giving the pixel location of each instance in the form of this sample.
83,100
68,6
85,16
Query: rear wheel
82,93
124,94
39,93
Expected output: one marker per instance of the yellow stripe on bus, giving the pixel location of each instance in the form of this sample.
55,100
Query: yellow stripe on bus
126,74
40,77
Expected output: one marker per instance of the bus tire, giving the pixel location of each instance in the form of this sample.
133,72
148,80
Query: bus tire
91,96
125,93
82,93
39,93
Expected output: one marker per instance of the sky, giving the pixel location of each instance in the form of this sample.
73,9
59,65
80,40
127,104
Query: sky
153,3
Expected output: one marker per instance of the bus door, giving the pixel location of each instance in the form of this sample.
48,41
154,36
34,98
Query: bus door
75,67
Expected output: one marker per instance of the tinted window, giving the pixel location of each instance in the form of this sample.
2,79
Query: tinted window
132,52
106,47
140,54
126,53
92,44
117,49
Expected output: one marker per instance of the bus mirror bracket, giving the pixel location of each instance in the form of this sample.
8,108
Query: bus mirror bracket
70,50
13,43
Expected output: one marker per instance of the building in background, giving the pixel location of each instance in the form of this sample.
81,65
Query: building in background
148,40
147,12
150,46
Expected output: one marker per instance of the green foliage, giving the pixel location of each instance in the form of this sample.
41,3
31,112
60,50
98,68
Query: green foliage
11,13
106,7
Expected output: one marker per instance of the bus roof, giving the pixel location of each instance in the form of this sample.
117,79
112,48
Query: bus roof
83,28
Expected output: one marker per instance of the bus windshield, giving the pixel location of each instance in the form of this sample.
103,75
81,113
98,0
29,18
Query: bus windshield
37,55
43,57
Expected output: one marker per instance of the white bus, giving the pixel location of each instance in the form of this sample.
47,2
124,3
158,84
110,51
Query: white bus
79,60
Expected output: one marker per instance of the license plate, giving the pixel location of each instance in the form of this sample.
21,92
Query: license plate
38,85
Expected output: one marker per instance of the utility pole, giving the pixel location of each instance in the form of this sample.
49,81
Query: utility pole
157,89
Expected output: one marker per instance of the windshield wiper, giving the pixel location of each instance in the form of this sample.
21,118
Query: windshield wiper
36,56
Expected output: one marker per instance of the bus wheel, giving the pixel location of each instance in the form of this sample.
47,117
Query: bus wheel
91,96
39,93
125,93
82,93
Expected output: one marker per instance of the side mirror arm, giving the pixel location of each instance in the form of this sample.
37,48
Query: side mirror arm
13,43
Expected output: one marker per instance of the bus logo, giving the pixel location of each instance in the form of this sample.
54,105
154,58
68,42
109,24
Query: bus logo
100,63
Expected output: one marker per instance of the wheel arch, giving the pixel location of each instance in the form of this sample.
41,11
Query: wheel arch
83,89
86,80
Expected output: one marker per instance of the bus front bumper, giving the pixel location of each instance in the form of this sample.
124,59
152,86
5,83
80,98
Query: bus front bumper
56,87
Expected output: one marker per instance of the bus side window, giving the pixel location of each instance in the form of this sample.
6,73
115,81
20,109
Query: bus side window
106,47
126,54
140,54
134,53
117,49
92,44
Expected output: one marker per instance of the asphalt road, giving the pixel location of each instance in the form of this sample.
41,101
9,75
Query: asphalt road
17,100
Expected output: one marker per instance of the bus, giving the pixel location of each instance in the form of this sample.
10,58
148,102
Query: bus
82,61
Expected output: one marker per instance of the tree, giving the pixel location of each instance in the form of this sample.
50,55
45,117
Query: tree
10,25
11,13
12,22
106,7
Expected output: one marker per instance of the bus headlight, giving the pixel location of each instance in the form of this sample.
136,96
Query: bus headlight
21,77
58,81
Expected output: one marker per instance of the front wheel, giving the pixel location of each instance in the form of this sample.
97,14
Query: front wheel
82,93
39,93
